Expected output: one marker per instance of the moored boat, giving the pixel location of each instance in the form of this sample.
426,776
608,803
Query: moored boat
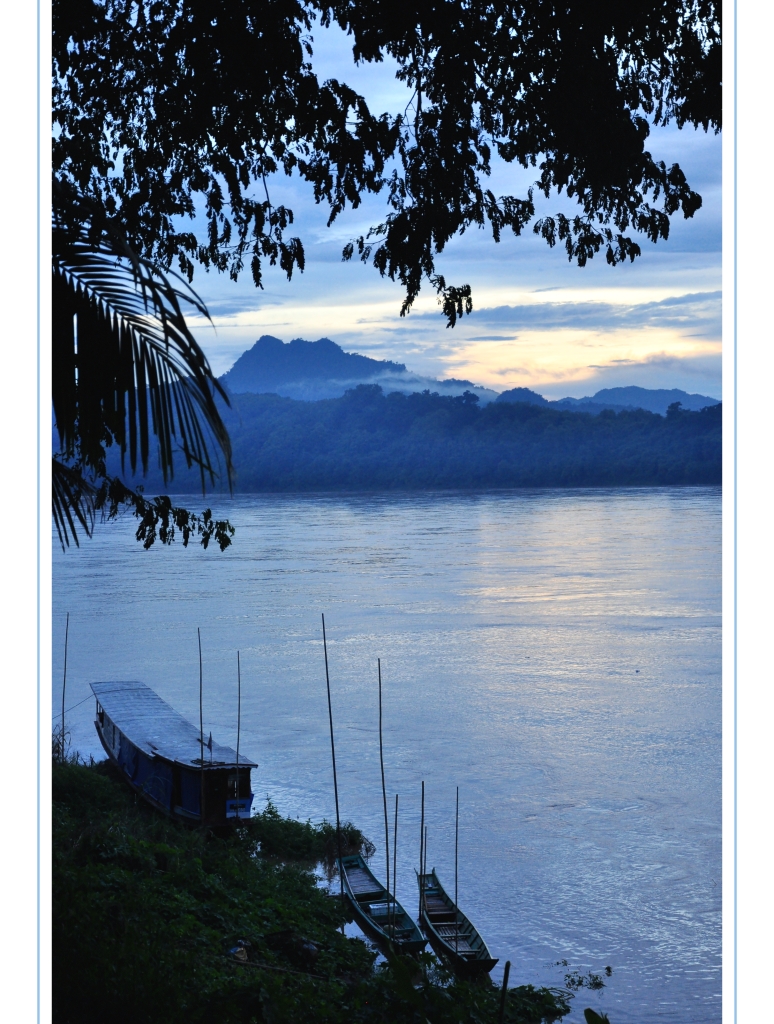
377,912
452,936
160,755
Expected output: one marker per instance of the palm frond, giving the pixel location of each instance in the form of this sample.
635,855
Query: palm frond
125,363
73,500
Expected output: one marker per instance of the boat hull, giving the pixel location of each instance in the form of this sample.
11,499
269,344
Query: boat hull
451,935
160,785
467,969
371,905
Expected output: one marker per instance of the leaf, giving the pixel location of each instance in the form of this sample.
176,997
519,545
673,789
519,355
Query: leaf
126,365
592,1017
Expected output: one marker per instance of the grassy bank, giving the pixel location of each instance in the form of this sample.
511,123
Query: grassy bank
147,912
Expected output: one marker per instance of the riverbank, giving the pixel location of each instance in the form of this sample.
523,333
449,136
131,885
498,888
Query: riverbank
156,922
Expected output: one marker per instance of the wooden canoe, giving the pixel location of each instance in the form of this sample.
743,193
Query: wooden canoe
378,913
451,934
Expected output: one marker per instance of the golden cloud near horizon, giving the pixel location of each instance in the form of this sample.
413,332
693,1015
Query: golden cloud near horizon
486,350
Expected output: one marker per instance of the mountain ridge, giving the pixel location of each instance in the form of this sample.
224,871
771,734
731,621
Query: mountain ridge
620,399
314,370
311,371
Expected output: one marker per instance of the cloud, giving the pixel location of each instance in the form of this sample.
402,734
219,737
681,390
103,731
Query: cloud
697,314
699,374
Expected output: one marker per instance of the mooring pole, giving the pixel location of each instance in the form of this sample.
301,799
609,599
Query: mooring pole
395,868
384,790
64,686
456,848
201,734
333,758
421,849
239,726
506,972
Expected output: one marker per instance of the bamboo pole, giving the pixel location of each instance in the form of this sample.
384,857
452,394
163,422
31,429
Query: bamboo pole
395,868
333,759
239,727
64,687
456,898
384,790
421,848
201,734
506,972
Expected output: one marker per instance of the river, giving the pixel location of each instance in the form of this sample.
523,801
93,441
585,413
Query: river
555,654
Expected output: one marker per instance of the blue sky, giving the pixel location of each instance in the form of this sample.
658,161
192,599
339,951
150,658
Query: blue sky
538,320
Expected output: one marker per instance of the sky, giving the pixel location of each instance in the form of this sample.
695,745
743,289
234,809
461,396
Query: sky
538,320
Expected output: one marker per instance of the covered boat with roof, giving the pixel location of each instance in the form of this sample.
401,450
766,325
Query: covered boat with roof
167,760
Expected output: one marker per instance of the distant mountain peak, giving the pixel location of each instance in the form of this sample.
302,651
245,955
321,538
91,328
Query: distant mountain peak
314,370
270,363
618,399
653,399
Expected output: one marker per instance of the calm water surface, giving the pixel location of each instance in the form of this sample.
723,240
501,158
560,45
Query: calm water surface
555,654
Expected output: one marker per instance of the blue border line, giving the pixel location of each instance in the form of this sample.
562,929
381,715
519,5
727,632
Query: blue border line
39,226
736,406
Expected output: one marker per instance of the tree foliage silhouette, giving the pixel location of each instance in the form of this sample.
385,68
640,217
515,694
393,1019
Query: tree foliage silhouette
125,365
164,111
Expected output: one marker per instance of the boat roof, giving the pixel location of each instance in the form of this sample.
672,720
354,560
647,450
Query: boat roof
157,729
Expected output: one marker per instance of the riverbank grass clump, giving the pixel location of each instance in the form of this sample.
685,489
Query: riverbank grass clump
158,923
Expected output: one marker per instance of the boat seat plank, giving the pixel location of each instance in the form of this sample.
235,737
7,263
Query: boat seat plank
462,948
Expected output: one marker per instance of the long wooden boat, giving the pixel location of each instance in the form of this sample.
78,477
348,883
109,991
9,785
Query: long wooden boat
451,934
160,755
378,913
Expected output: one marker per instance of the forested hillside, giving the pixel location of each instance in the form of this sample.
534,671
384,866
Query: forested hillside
369,441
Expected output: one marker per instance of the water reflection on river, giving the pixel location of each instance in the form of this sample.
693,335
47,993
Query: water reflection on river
555,654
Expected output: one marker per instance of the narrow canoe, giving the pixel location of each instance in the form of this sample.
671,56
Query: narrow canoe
378,913
451,934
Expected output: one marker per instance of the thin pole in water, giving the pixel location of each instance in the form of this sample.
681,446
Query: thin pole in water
425,868
421,849
384,790
456,849
64,685
201,733
506,972
395,867
333,758
239,726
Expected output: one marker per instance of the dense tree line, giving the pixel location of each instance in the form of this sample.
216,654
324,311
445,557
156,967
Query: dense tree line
371,441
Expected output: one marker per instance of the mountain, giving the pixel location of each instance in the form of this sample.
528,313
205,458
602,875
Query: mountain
314,370
617,399
271,363
653,399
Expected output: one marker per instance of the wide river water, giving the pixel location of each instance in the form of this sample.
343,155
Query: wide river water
555,654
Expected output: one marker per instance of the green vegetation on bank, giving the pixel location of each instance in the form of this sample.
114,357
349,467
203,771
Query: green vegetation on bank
368,441
147,915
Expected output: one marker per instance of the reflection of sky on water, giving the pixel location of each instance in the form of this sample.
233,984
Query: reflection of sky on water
556,654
